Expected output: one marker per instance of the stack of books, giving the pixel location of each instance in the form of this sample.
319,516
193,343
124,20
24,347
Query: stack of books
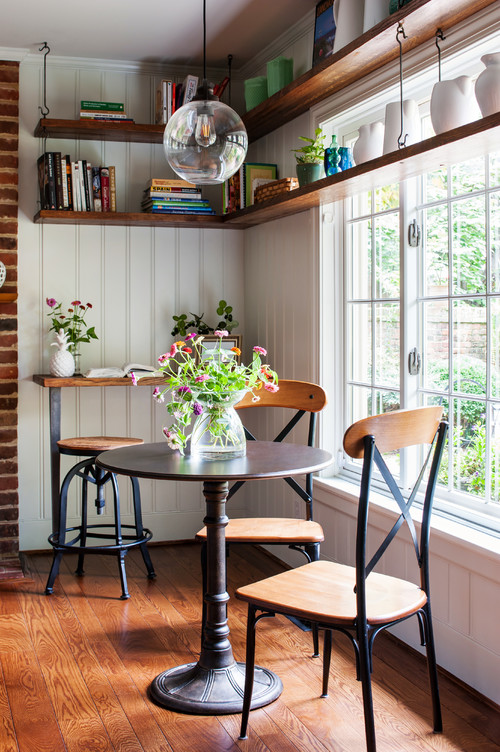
239,191
75,186
174,196
110,111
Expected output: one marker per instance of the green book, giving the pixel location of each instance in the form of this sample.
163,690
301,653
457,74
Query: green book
90,105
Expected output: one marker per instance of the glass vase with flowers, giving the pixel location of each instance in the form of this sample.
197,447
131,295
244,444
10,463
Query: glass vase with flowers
205,385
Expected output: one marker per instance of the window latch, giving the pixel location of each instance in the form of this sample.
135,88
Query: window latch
414,234
414,362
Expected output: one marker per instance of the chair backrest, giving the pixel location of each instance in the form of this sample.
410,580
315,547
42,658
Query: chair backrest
368,439
305,399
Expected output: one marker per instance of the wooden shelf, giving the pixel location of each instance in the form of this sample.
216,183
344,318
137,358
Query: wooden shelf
362,56
92,130
132,219
80,381
473,140
8,297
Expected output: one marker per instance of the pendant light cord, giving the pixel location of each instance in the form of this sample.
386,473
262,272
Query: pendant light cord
205,39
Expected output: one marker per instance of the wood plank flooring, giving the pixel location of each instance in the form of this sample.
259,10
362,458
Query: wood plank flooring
75,668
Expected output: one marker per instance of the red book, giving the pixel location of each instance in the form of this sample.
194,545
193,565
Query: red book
105,195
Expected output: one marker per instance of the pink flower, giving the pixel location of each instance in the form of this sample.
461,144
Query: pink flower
221,333
134,378
271,387
192,335
158,395
197,408
51,302
202,377
184,390
173,350
76,302
260,350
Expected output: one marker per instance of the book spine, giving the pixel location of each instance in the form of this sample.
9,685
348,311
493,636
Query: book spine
103,115
58,181
82,174
160,104
75,178
170,183
69,182
105,189
112,188
89,193
64,183
96,188
51,181
86,104
43,181
190,86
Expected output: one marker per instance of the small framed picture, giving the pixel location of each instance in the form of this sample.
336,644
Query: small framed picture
324,31
210,341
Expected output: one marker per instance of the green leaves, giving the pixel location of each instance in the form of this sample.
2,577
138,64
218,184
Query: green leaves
182,325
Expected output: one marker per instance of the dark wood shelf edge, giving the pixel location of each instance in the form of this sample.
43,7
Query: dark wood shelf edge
99,131
8,297
46,380
479,137
362,56
130,219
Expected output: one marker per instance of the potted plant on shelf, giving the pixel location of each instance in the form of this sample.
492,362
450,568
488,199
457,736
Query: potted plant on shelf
310,158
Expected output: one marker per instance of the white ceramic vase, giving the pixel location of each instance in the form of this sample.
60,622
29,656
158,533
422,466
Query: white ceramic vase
374,12
411,124
370,142
488,85
348,15
452,104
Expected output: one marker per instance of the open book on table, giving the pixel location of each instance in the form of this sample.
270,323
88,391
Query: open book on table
113,372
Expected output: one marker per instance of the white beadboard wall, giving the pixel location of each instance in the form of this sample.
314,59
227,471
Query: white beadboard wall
135,278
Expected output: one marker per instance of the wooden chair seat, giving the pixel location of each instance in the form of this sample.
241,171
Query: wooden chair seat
324,591
270,530
95,444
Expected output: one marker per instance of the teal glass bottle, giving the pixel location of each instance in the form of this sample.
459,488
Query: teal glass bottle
332,157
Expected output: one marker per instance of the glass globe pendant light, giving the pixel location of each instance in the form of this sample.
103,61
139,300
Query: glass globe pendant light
205,141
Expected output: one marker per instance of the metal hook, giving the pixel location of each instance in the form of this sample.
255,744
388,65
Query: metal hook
401,33
439,36
44,110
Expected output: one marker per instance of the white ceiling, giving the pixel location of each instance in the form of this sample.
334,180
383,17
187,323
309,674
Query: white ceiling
151,30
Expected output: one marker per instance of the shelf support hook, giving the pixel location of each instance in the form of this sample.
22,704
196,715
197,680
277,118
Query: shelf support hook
400,34
44,110
439,37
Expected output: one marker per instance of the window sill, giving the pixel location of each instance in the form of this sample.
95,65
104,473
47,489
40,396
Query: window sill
447,529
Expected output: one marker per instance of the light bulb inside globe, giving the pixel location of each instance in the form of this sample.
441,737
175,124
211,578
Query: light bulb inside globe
205,134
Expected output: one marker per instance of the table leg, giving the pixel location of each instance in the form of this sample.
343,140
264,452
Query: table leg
214,685
55,435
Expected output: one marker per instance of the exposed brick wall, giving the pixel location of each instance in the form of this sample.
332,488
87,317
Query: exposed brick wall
9,137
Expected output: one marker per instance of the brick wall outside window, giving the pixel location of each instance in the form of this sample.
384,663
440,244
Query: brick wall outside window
9,136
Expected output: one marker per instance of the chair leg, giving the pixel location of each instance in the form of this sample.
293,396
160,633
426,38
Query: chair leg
327,657
54,571
83,529
139,530
249,671
366,683
118,532
203,557
432,669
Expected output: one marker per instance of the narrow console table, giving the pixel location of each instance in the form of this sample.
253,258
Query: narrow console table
54,385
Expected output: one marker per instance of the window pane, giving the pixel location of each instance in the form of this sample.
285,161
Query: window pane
387,256
386,197
494,206
495,347
435,344
494,169
360,205
469,346
359,269
387,347
467,177
469,246
436,185
436,264
360,346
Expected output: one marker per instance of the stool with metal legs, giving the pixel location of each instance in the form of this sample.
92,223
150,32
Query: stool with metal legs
111,539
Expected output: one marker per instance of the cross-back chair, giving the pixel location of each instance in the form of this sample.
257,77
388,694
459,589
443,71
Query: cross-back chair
306,400
356,600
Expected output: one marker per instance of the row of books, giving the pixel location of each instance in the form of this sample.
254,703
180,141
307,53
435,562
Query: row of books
108,111
75,186
171,95
239,191
174,196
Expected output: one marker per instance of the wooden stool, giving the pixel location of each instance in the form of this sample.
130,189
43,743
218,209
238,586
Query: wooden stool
89,447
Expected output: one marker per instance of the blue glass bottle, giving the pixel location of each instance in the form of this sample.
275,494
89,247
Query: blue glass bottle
346,158
332,158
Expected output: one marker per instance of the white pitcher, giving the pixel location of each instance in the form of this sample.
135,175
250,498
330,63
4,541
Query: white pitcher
370,142
411,124
488,85
452,104
348,15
